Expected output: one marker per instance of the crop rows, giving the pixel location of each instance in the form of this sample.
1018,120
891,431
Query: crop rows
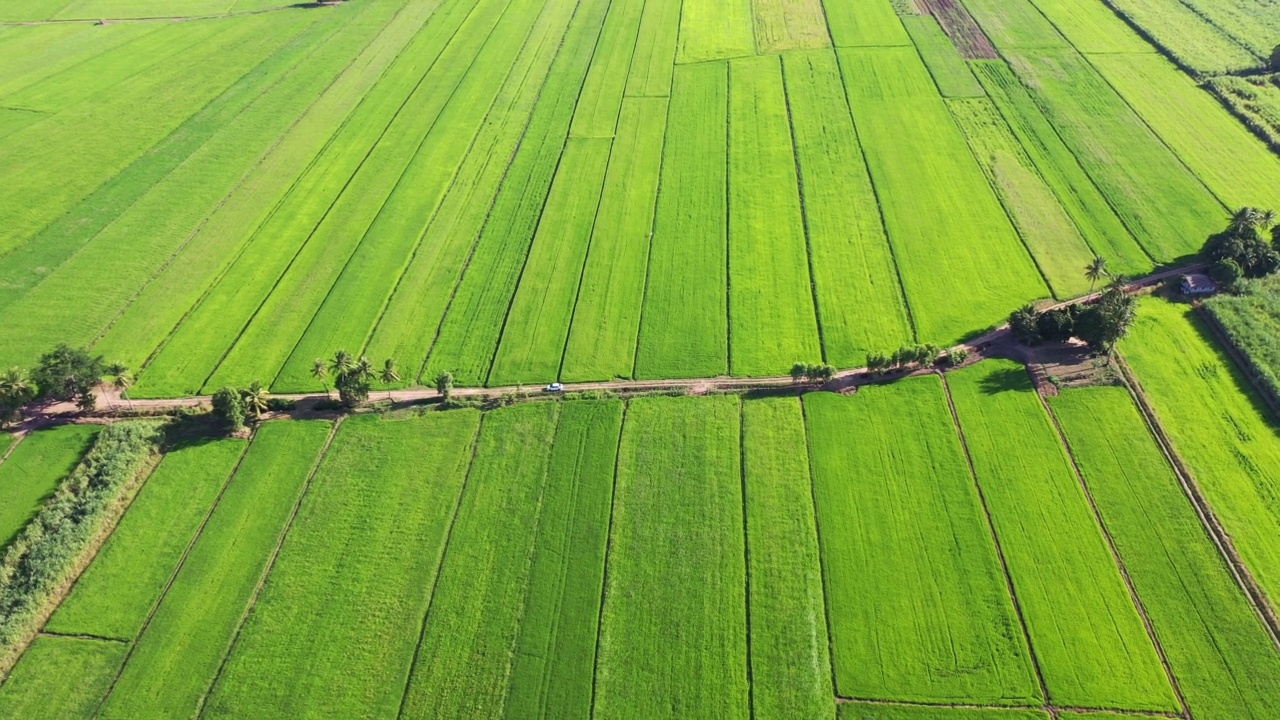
32,471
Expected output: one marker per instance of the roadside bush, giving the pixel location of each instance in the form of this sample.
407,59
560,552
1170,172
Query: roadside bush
1056,325
228,408
276,404
1226,272
1023,323
69,374
958,356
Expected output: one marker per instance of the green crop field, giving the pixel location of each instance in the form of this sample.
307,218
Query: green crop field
33,470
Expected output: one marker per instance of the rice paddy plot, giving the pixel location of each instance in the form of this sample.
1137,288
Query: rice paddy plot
673,632
33,471
890,711
655,52
1224,661
1187,36
1250,23
948,68
1014,25
1090,640
1217,425
334,629
772,320
1092,27
601,99
789,25
864,24
715,30
918,603
59,678
790,662
1251,321
128,576
61,72
684,321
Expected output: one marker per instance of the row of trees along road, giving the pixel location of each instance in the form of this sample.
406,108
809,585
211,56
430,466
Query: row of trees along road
64,374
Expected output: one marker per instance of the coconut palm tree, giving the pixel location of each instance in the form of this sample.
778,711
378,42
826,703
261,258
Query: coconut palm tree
255,399
1095,271
320,372
1244,219
363,369
16,390
122,381
1266,219
341,364
389,376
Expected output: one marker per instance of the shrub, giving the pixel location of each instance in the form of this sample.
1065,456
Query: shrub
1023,323
1056,325
277,404
353,389
228,408
1226,272
69,374
958,356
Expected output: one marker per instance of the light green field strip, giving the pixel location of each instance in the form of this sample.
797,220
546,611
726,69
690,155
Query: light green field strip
1092,27
33,470
551,675
115,595
1055,242
24,46
1249,22
872,711
1057,165
11,121
789,25
684,321
463,660
357,298
673,633
600,102
60,678
486,42
918,605
80,9
537,325
790,663
53,53
655,53
860,302
946,226
715,30
772,320
1232,162
1225,663
176,658
1093,648
328,85
864,24
948,68
1218,426
208,331
409,323
32,9
333,632
1014,25
606,319
1167,208
469,334
1186,35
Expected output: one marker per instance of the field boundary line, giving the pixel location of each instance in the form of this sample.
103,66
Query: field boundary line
82,636
444,552
1077,709
822,563
746,550
995,539
608,553
1138,604
1208,519
173,576
201,705
17,440
728,212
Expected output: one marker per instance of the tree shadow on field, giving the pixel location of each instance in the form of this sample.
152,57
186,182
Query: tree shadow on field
1009,379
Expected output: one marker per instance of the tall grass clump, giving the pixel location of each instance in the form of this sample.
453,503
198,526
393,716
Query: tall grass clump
1251,321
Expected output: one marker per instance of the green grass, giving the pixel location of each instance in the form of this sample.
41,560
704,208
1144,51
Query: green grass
673,633
1220,654
33,470
606,319
1251,320
174,661
536,326
790,663
772,320
555,653
599,104
1093,648
115,595
918,603
463,662
863,24
684,321
334,630
1186,35
870,711
860,302
946,226
789,25
60,678
948,68
1217,425
715,30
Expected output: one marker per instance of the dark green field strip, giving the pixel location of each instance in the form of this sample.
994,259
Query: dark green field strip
115,595
1093,648
462,665
772,319
33,470
655,52
1219,427
211,328
715,30
673,633
1094,216
606,318
860,302
334,629
1167,208
488,39
60,678
864,24
551,675
790,661
174,661
469,333
1221,655
684,320
408,324
40,54
875,711
351,307
601,100
918,604
949,70
945,223
536,327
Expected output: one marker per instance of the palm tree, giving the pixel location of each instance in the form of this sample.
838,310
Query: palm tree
123,381
363,369
320,372
1095,271
1244,219
1266,219
341,363
16,390
389,375
255,399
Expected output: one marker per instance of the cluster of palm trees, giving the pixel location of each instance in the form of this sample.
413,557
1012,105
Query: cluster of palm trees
351,377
